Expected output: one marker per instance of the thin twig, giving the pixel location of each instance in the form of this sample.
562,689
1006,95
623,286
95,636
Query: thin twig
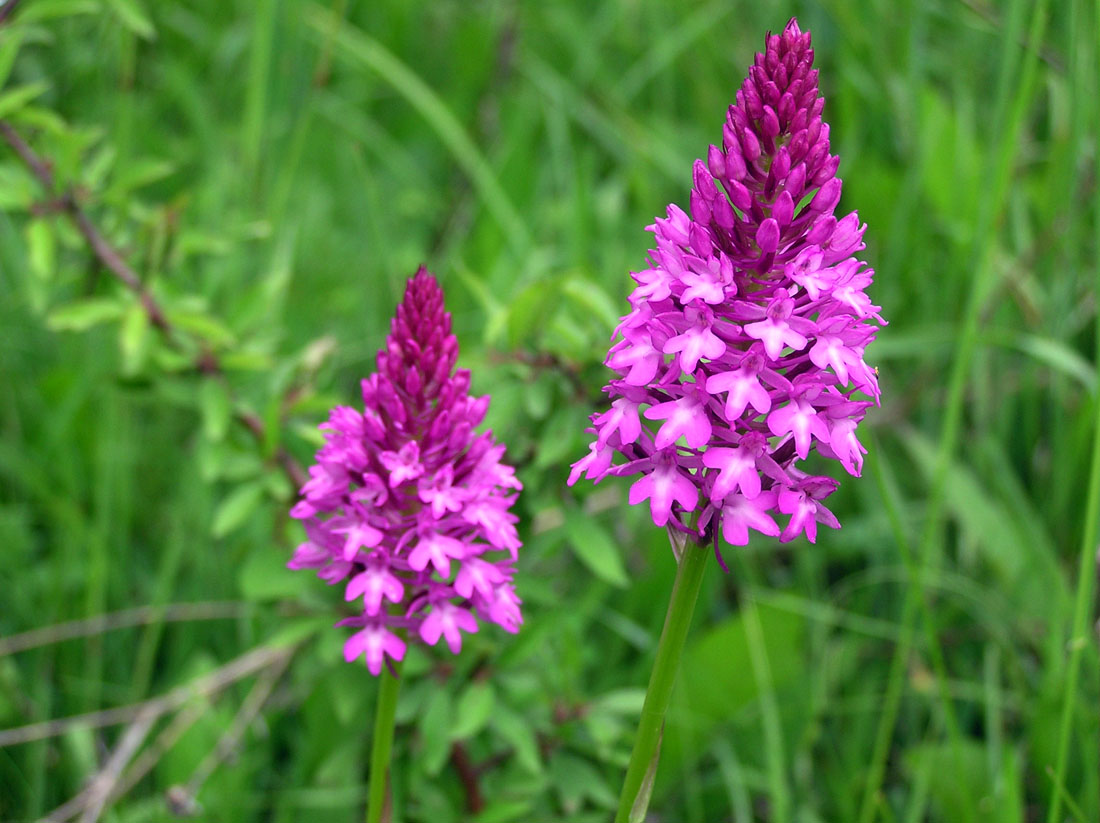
119,784
138,616
102,249
100,787
169,735
988,13
206,362
104,783
206,685
7,9
231,738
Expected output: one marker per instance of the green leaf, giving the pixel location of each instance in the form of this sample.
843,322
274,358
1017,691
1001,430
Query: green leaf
595,549
716,681
246,360
530,310
97,166
237,508
299,628
592,301
13,100
134,17
558,439
310,434
474,709
949,159
41,249
82,315
539,397
80,747
435,726
517,731
17,189
133,339
202,325
171,360
278,485
264,576
46,120
490,306
1058,356
216,408
220,461
138,173
627,702
575,780
51,9
9,48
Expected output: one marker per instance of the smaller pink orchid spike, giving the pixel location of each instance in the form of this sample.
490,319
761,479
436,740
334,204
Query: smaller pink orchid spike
407,505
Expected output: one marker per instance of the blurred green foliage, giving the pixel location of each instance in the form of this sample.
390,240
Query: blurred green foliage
274,169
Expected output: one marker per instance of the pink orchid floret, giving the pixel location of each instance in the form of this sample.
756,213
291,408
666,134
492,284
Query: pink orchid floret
745,341
407,504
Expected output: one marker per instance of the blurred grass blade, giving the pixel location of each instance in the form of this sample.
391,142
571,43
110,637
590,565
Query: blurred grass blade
367,51
1056,355
42,10
1079,639
1007,125
13,100
659,55
774,749
9,48
616,131
131,14
259,67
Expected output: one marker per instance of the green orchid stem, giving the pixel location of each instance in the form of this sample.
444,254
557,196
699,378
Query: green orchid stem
643,761
388,687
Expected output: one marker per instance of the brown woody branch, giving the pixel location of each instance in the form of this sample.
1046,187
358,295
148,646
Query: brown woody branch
207,361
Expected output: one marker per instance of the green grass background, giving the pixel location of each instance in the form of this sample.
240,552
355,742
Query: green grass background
275,169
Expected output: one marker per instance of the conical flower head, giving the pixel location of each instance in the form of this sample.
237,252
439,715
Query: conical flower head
744,344
407,505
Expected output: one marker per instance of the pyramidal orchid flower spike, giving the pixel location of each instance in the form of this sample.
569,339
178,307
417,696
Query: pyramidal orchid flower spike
407,506
743,350
745,339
